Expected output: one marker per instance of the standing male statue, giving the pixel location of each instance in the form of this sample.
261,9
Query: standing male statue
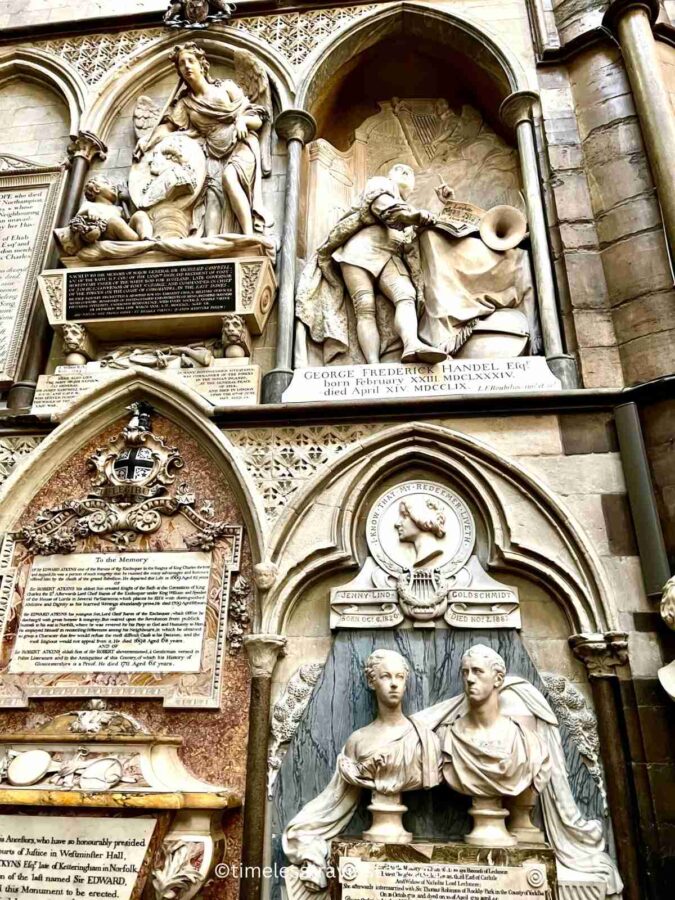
364,253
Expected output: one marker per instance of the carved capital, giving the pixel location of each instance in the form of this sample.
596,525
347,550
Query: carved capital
88,146
295,125
601,653
618,8
263,650
518,108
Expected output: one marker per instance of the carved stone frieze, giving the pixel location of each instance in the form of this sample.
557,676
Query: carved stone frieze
294,35
281,461
14,450
573,712
601,653
286,716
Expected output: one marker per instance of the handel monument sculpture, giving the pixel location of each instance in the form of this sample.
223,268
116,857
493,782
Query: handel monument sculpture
422,286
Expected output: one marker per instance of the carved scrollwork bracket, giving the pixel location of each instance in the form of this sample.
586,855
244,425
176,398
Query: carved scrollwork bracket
601,653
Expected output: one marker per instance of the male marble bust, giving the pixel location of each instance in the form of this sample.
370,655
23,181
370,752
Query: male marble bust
487,753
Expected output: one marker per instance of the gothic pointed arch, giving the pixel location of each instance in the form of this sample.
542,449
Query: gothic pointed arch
51,71
152,63
454,32
106,406
529,532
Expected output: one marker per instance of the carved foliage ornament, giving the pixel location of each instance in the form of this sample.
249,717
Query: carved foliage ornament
128,496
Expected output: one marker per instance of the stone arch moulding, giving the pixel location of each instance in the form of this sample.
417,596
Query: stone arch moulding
152,63
51,72
439,25
107,403
531,533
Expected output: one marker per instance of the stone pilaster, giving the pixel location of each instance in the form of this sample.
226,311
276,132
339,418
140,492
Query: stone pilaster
632,22
603,654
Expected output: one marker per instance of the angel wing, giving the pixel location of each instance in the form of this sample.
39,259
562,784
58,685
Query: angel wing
252,78
146,116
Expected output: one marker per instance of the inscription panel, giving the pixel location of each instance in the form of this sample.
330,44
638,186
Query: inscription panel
27,205
63,856
150,291
388,381
372,880
136,612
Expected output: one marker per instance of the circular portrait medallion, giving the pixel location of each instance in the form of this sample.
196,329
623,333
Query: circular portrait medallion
420,525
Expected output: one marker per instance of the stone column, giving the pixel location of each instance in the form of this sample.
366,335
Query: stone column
516,112
263,651
82,151
631,21
602,654
296,127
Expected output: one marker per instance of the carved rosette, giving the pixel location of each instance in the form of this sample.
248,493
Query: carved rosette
601,653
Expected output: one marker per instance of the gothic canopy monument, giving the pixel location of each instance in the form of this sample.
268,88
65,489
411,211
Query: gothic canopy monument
337,525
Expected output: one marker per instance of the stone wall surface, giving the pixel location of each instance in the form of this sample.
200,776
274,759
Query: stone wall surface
35,122
628,221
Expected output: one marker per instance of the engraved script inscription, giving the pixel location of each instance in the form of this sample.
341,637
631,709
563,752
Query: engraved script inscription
20,214
136,612
364,880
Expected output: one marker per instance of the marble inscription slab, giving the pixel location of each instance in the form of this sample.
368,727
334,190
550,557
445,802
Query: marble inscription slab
63,856
376,880
228,385
27,205
156,291
399,380
138,612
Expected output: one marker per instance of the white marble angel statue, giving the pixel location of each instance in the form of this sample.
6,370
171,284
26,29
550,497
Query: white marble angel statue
488,751
395,753
229,119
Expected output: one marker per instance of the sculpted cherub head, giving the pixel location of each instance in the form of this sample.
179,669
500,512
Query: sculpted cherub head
387,674
483,672
101,189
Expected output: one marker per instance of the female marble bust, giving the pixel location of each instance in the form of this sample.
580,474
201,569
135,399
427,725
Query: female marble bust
392,754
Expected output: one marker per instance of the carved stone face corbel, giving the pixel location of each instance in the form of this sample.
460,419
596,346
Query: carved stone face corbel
601,653
78,344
